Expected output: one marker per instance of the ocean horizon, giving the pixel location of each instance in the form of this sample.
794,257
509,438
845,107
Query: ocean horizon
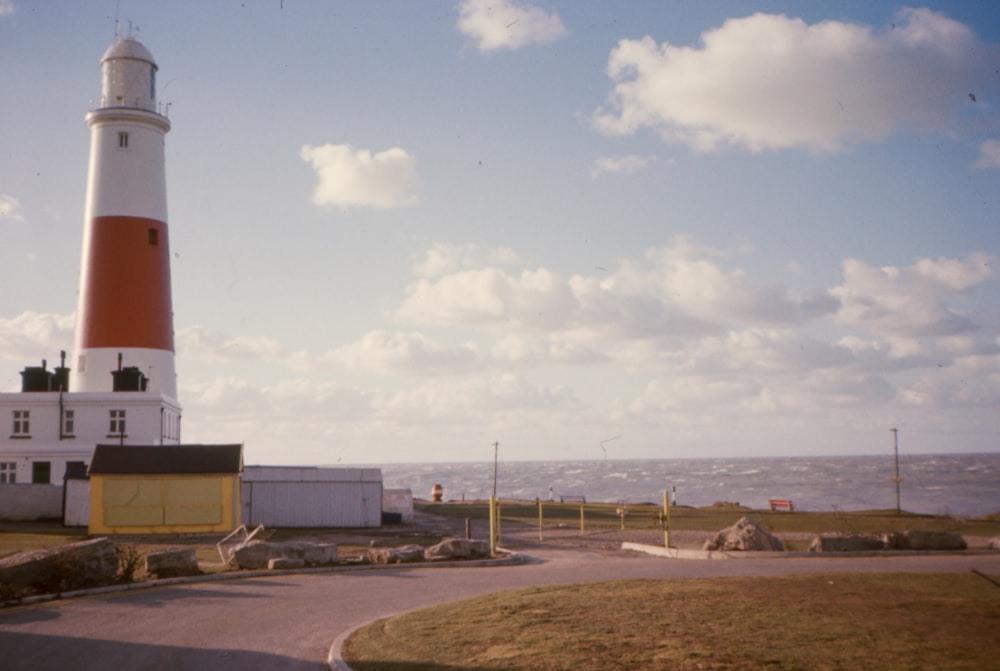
966,485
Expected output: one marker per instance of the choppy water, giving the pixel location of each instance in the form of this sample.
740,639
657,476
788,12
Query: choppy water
965,484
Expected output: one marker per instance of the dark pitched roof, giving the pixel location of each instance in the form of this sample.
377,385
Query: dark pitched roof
166,459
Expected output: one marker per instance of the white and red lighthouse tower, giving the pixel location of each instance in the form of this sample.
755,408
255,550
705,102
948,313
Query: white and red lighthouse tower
125,313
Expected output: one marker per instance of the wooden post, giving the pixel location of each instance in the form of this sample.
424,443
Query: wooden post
581,519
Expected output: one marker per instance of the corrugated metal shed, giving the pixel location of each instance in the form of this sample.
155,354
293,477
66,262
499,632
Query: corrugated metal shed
305,496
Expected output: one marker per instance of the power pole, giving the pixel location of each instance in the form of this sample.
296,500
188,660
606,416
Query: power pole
895,449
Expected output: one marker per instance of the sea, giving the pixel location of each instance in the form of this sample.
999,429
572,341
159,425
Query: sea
964,485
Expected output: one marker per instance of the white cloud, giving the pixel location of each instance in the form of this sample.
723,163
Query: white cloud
989,154
33,334
198,343
524,349
673,290
384,351
357,178
442,259
508,24
6,8
769,82
10,208
620,164
911,303
679,340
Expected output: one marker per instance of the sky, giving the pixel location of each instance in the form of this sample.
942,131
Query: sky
405,231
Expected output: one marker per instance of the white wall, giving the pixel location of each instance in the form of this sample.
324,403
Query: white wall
30,502
398,501
76,511
150,419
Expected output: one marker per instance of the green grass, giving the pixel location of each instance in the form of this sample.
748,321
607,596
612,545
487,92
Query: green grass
887,621
12,542
599,516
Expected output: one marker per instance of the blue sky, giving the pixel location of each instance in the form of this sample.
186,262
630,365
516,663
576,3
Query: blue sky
402,231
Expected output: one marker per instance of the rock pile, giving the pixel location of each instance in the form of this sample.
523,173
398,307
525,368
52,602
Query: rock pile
906,540
172,563
257,555
69,567
745,535
449,548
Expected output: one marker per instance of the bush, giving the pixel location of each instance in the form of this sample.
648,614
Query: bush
130,558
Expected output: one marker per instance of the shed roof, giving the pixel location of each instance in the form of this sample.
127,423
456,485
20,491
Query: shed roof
166,459
310,474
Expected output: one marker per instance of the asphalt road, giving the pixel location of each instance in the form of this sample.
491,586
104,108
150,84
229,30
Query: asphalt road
288,621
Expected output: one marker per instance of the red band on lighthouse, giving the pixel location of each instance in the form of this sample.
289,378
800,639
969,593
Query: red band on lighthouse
125,299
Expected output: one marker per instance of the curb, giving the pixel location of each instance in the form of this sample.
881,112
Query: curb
511,560
677,553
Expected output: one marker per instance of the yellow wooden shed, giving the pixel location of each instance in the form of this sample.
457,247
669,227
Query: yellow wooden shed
160,489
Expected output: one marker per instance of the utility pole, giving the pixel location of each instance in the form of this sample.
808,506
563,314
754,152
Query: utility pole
494,517
895,449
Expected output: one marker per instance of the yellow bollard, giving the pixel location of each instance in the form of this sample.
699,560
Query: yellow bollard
493,531
540,520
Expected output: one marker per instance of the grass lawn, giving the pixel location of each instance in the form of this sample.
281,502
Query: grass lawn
604,516
885,621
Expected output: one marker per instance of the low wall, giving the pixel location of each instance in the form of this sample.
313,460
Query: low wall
31,502
398,501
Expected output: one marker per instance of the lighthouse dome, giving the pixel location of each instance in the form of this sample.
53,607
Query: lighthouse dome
128,47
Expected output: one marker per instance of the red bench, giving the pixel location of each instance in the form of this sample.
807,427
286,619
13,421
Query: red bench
781,504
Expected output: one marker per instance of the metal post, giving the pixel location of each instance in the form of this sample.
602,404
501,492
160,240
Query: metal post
666,519
895,449
496,448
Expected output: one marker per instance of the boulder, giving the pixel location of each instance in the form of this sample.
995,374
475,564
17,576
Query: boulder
745,535
926,540
994,543
256,555
76,566
278,563
320,554
458,548
852,543
172,563
405,554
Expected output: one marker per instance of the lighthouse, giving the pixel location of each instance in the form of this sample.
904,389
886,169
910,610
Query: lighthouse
124,332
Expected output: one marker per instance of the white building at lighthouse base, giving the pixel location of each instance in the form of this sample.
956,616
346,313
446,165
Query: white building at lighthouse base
46,434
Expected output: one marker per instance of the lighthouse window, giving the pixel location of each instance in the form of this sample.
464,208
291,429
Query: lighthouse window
117,426
123,140
22,424
154,237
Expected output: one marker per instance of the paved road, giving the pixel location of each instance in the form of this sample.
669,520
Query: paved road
289,621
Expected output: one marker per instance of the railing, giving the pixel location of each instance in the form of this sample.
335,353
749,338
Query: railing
162,109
